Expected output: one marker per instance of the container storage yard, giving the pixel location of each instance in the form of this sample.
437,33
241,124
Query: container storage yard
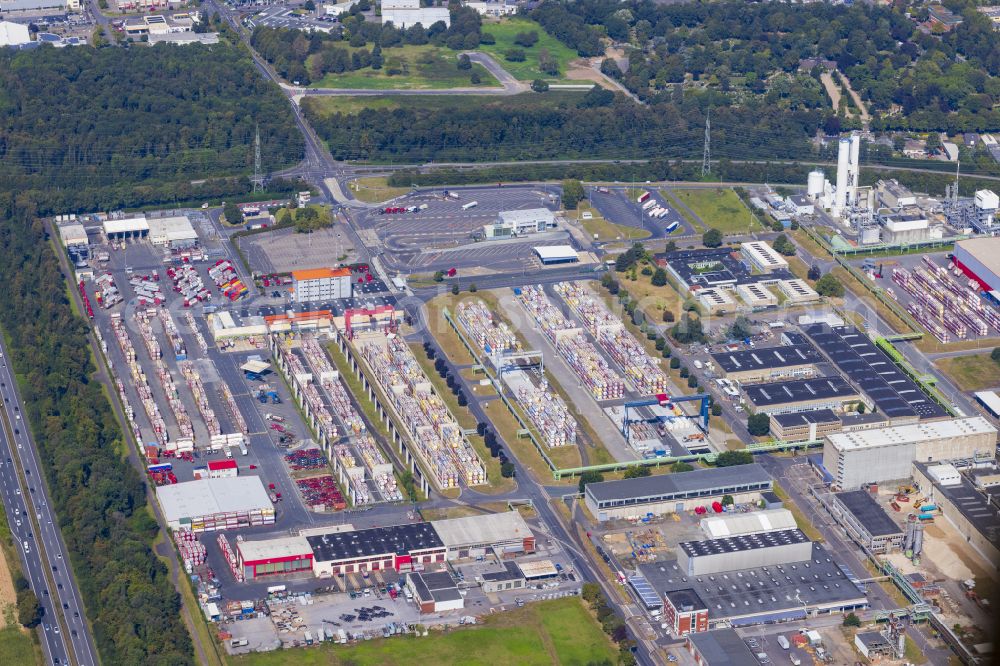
947,304
643,371
436,436
570,341
492,335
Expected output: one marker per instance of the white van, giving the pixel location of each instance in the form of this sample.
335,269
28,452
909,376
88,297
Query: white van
783,642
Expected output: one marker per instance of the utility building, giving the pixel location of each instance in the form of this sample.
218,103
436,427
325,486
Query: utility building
657,495
762,549
321,284
801,395
274,556
768,363
887,454
126,229
865,521
435,592
172,232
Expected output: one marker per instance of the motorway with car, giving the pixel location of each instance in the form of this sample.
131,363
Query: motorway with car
65,635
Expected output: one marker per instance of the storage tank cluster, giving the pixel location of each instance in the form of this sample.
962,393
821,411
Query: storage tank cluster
913,539
841,198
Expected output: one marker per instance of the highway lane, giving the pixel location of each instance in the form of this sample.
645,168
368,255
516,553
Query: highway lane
45,557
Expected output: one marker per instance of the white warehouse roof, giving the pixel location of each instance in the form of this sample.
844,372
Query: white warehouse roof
526,215
476,530
171,229
270,549
73,234
13,34
129,225
916,432
208,497
717,527
550,253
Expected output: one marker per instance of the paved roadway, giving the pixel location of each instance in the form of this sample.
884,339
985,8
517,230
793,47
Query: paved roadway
45,559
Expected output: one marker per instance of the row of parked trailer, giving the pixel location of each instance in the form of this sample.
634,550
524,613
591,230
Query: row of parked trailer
223,273
571,342
943,305
188,283
543,406
640,368
107,292
147,289
436,436
200,395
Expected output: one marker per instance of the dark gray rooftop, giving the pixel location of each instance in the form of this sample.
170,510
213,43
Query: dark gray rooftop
805,418
713,267
742,542
762,590
863,506
799,390
438,586
767,358
892,391
723,647
510,572
685,600
398,539
696,482
973,505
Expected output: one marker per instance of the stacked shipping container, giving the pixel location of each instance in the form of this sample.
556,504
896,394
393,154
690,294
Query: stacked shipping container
142,387
549,414
609,331
493,335
570,342
434,432
184,424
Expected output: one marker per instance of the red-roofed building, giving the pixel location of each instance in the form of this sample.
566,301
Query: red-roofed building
218,469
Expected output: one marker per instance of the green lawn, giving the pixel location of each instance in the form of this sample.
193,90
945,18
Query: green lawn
718,208
506,30
330,105
974,372
549,632
375,189
424,66
16,647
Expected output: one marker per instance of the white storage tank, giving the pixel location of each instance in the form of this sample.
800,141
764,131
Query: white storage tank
814,187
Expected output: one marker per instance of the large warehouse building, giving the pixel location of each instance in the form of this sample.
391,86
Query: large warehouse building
743,551
669,493
321,284
769,363
887,454
801,395
979,259
343,550
216,504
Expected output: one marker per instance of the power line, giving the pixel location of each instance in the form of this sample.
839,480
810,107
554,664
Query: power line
258,177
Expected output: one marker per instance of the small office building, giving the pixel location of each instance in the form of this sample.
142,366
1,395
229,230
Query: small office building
761,257
866,521
715,301
808,426
321,284
508,578
684,612
434,592
514,223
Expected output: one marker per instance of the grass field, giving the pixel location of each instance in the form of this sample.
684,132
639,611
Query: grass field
506,30
375,189
17,647
602,229
422,67
717,208
329,105
972,373
560,631
652,300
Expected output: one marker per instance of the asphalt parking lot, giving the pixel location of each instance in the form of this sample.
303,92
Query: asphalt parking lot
284,250
281,16
443,235
616,206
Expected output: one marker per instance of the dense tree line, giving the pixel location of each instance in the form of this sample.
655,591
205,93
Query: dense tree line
99,497
305,57
83,130
622,129
939,82
89,129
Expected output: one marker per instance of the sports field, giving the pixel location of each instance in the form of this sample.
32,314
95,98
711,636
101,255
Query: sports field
560,631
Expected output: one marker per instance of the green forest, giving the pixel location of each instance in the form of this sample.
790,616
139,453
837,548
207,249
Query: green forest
599,125
911,80
101,129
83,130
